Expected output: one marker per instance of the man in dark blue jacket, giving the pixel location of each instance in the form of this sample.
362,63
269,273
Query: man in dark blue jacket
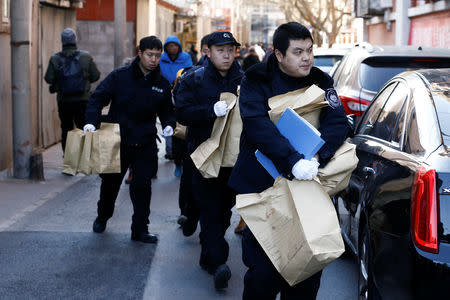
289,68
137,94
198,106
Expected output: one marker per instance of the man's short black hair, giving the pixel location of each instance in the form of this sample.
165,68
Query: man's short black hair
150,42
287,32
204,40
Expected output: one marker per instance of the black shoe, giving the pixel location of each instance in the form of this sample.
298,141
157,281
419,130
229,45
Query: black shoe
221,277
189,227
181,220
99,225
144,237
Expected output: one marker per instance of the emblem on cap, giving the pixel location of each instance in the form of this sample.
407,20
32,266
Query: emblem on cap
332,98
226,35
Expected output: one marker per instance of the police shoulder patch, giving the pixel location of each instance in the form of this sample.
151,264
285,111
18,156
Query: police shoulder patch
332,98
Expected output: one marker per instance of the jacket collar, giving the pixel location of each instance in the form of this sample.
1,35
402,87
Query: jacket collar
153,75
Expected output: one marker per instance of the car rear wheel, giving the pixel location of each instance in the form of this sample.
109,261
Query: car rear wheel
365,283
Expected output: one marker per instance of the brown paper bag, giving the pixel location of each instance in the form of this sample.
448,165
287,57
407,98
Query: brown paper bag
296,224
85,160
209,154
231,145
302,101
72,153
101,150
105,153
336,174
180,131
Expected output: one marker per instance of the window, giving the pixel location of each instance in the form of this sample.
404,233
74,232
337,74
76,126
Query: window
4,24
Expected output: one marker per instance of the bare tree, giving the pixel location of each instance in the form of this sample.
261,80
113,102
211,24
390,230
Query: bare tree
323,15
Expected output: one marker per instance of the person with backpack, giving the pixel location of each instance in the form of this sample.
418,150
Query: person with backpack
198,105
70,73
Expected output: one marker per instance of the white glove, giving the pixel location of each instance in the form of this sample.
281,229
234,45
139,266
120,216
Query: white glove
305,169
88,127
220,108
168,131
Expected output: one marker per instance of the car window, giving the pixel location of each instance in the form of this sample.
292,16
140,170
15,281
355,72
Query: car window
412,140
442,104
372,78
371,116
326,60
390,123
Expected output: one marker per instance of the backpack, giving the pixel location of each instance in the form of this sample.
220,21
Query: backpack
71,79
198,77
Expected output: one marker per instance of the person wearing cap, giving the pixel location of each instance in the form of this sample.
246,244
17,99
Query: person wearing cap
71,107
198,105
289,68
137,94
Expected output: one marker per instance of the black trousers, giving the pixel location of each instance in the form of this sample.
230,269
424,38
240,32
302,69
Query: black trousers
70,113
263,282
144,162
179,150
186,200
214,200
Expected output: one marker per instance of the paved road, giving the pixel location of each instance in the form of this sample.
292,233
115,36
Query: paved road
51,252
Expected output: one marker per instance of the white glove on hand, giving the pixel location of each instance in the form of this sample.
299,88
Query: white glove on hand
168,131
305,169
220,108
88,127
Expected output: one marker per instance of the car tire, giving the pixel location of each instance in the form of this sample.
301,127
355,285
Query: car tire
366,290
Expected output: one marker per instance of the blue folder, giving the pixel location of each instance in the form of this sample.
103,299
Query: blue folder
302,136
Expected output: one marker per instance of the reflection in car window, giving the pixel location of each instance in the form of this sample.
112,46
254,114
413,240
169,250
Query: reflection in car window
390,123
370,117
442,104
372,78
412,140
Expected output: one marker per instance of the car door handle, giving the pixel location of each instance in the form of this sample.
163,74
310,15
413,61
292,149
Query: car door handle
369,171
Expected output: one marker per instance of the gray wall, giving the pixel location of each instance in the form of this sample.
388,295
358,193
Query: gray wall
6,148
97,37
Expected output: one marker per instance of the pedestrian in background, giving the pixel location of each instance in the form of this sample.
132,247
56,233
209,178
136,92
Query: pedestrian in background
251,59
69,74
198,105
137,94
203,50
193,52
289,68
172,60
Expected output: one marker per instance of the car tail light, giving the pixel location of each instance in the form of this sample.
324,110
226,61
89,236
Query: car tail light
354,106
424,211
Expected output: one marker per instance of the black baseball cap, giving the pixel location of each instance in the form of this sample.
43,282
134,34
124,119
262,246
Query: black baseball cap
219,38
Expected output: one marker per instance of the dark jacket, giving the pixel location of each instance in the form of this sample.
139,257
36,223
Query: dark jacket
261,82
195,100
249,61
135,100
90,73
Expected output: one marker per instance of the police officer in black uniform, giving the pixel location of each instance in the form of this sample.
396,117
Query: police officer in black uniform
198,106
137,94
289,68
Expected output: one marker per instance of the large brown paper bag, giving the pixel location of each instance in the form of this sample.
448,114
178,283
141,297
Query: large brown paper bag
302,101
105,152
231,144
336,174
85,159
296,224
72,153
208,155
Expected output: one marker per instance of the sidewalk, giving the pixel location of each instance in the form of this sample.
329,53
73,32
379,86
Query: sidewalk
19,197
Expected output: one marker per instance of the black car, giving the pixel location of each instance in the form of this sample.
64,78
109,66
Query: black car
366,68
395,212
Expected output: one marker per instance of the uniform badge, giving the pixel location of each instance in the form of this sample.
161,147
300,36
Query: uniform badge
332,98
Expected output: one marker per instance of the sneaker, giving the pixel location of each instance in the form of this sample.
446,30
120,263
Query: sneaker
99,225
178,171
240,227
221,277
